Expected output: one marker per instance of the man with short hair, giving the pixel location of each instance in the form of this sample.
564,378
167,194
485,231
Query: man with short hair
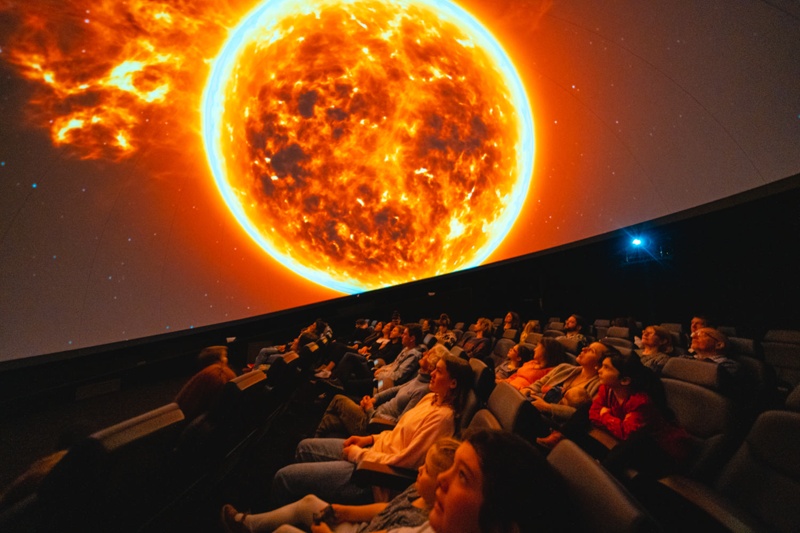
710,345
697,322
346,417
573,328
406,363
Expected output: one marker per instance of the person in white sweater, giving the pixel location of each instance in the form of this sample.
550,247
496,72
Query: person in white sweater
326,466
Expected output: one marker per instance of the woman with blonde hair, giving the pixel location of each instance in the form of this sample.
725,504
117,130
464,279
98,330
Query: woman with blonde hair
531,326
656,348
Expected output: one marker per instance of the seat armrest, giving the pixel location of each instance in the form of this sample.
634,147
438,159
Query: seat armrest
710,504
370,473
603,437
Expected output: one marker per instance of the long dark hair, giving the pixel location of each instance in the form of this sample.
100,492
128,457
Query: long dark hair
524,352
514,476
642,379
554,352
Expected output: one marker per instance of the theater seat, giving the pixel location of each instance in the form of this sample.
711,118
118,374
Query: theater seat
782,350
618,332
624,346
507,409
571,345
116,478
500,350
759,488
600,503
708,416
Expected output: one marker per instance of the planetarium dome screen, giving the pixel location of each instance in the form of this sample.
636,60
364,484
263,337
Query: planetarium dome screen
171,165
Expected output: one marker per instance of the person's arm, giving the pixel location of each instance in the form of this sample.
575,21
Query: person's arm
385,395
353,447
411,400
405,369
358,513
437,424
639,411
559,375
561,413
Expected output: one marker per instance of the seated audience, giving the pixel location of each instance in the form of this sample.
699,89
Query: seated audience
389,351
628,322
443,333
361,332
325,466
517,356
203,391
381,337
546,393
531,326
480,346
372,343
498,484
656,348
697,322
510,321
377,332
406,364
266,356
575,398
354,374
631,406
409,509
396,318
345,417
547,354
426,325
710,345
573,329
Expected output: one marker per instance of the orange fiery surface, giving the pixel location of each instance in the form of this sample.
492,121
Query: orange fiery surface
105,70
362,145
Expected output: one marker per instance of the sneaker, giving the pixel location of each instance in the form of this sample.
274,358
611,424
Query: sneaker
229,520
323,374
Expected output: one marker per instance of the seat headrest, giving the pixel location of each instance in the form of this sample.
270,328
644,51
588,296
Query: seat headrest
694,371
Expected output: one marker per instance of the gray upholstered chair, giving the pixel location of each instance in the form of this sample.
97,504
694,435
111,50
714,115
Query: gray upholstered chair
782,350
759,488
600,503
710,418
507,409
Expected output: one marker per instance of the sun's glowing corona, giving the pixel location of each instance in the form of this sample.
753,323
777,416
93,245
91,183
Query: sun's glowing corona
375,140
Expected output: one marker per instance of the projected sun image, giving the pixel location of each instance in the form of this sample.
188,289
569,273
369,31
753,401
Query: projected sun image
360,143
368,143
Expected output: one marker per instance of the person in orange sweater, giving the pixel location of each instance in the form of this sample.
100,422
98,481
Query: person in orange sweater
547,354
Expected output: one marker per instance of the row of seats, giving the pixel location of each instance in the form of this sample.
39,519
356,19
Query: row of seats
773,361
743,477
133,475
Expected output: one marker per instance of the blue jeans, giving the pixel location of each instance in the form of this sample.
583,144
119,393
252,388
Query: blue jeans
267,356
320,470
